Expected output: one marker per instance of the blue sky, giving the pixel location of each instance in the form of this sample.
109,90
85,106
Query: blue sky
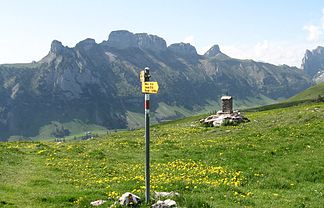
276,31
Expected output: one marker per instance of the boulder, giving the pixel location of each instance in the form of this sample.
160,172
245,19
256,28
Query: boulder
129,199
165,204
97,203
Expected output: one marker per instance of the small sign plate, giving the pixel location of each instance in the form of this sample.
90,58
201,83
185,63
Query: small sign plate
142,77
150,87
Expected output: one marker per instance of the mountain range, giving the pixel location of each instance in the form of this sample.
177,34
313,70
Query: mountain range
96,85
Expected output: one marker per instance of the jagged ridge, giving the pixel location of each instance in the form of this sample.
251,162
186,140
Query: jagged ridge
97,83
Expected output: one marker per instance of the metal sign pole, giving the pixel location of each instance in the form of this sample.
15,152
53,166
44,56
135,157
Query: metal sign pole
147,88
147,135
147,147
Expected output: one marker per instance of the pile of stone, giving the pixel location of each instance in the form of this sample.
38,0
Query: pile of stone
224,119
226,116
131,200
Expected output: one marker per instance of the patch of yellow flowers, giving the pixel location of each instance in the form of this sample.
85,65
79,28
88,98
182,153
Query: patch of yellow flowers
193,174
184,174
178,174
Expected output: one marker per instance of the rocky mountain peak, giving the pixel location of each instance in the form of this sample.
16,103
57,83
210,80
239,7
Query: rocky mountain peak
313,61
183,49
86,44
319,50
57,47
122,39
213,51
150,42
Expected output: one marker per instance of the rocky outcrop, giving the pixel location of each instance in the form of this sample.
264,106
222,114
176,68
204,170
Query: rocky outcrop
184,50
224,119
150,42
123,39
57,47
319,77
213,51
86,44
313,61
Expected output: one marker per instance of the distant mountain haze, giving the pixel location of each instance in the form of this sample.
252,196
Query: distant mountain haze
98,83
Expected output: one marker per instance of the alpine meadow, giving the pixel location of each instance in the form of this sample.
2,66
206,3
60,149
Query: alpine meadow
275,160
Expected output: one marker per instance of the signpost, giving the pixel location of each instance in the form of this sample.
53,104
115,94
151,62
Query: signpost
150,87
147,88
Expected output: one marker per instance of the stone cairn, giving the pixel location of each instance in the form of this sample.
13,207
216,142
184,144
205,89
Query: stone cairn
226,116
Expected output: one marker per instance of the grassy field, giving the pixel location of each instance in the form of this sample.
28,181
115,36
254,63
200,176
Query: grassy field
276,160
311,93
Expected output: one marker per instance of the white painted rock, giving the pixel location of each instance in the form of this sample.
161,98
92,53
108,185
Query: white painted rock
165,204
129,199
166,194
97,203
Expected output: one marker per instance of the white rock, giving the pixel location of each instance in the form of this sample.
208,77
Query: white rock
97,203
170,202
129,199
166,194
165,204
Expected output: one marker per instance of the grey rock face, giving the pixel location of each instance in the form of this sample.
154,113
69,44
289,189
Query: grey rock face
213,51
86,44
183,49
57,47
313,61
150,42
319,77
123,39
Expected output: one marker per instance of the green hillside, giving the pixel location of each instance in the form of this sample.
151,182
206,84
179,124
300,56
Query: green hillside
311,93
276,160
135,120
